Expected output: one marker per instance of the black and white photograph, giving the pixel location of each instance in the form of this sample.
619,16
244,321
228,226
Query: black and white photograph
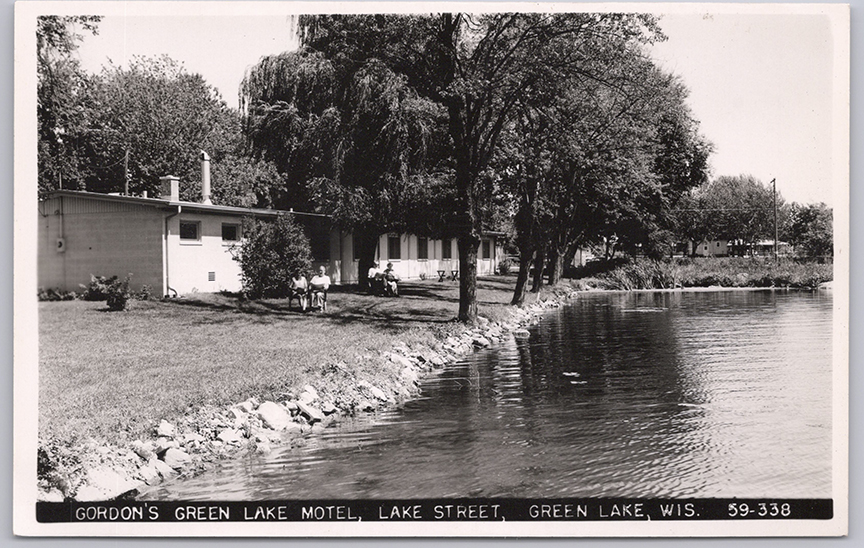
431,269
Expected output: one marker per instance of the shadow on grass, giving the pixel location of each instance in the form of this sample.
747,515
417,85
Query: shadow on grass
418,304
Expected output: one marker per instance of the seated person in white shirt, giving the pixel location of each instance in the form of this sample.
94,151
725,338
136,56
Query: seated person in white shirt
318,286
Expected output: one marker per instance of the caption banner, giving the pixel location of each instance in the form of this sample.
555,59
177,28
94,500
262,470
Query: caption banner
438,510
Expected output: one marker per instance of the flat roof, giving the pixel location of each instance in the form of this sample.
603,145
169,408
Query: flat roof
190,206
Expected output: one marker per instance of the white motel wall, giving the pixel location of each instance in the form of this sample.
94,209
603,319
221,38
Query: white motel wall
184,247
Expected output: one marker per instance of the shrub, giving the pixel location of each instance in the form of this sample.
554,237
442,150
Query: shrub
119,294
52,294
146,293
97,289
270,253
505,267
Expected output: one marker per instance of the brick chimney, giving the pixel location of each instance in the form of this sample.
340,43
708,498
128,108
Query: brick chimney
170,188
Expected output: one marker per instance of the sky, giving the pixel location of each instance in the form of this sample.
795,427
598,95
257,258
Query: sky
761,85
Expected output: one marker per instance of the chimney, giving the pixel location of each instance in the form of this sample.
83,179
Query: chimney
170,188
205,178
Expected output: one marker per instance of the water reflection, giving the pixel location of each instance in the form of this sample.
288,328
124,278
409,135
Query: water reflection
646,394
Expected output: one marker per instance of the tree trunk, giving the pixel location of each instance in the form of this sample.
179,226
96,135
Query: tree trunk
556,265
468,245
367,242
539,267
525,258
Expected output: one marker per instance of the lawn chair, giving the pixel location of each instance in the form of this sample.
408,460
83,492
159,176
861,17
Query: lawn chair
318,293
302,296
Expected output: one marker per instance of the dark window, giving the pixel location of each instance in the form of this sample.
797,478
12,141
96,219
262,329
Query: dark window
422,248
446,250
230,233
211,276
189,230
486,249
394,248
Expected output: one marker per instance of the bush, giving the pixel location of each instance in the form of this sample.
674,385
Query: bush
505,267
52,294
146,293
97,289
119,294
271,252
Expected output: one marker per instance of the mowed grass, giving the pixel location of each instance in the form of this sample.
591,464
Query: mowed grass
114,375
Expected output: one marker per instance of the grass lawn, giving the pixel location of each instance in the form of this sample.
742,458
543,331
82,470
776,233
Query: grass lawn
114,375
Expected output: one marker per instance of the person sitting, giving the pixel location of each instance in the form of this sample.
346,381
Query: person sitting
298,289
376,279
391,281
318,286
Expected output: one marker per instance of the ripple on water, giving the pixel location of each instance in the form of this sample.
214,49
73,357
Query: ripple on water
675,395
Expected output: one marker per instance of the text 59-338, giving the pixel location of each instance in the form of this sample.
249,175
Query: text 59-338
760,510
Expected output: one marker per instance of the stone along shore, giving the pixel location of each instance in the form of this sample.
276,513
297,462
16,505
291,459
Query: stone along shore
190,444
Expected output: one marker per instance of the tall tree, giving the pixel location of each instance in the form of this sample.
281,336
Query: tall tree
360,144
811,230
477,67
61,88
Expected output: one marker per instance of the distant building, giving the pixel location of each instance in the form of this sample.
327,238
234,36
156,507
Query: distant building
178,247
709,248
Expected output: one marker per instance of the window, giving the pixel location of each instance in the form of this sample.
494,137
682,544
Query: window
230,233
394,248
422,248
355,247
446,250
190,230
718,244
487,249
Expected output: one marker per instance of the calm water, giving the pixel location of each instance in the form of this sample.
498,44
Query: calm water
640,395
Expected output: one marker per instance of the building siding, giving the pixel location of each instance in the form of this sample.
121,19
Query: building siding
205,265
102,239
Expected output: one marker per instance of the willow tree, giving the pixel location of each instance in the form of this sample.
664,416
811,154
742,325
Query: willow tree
354,138
477,67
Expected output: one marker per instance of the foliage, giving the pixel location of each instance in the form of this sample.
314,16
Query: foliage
61,92
271,252
737,208
711,272
97,289
54,294
811,230
118,294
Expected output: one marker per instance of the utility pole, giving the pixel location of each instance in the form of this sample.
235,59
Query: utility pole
774,186
126,173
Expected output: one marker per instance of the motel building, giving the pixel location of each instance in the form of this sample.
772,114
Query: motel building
177,247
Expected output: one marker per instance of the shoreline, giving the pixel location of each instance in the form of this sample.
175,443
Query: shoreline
190,444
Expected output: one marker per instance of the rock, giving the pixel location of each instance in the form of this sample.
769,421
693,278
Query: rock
312,414
165,429
54,495
437,360
175,458
481,342
163,444
103,483
365,405
274,415
246,406
143,450
194,437
373,390
400,360
262,448
230,435
291,406
328,408
521,334
409,375
149,474
482,322
164,470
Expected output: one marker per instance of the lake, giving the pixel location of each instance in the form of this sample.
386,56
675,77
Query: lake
649,394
